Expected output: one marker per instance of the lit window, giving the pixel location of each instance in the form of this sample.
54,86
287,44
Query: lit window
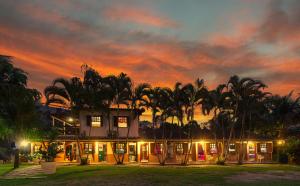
122,122
179,148
263,148
88,148
37,148
120,148
96,121
213,148
232,147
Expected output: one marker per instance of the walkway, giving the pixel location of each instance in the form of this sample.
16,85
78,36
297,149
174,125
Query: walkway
33,171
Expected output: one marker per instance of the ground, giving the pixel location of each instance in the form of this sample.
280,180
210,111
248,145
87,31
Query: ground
170,175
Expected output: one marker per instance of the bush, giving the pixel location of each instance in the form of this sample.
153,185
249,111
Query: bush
83,161
292,150
220,161
283,158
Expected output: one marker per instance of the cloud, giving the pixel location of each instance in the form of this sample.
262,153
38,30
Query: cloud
281,24
138,15
55,42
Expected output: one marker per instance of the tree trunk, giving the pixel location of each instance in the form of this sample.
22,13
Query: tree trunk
17,159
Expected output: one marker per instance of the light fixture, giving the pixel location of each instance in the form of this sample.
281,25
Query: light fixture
24,143
280,142
70,119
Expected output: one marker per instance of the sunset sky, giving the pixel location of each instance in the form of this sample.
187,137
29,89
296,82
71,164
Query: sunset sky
157,41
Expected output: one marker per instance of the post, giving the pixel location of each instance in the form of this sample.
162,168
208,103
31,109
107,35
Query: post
17,159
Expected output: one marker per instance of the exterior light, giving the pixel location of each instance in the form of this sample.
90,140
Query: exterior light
70,119
280,142
24,143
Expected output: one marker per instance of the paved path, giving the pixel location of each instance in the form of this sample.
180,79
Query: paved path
33,171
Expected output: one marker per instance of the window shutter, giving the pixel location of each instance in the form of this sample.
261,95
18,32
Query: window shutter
258,147
152,148
269,147
89,120
207,148
101,121
128,121
115,121
185,147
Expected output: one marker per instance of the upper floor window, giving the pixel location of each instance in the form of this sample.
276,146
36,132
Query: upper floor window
94,121
121,121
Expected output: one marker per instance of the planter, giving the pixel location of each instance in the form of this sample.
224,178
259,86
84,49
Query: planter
48,167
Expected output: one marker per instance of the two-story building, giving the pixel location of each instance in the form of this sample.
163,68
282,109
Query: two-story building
99,135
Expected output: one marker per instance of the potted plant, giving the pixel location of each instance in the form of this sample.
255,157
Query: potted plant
49,166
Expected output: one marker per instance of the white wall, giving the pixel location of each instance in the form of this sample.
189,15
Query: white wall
103,131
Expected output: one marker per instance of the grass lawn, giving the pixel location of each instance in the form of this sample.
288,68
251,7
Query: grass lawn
135,175
5,168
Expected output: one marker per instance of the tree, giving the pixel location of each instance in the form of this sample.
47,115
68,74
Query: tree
68,94
194,95
120,87
18,111
284,112
243,93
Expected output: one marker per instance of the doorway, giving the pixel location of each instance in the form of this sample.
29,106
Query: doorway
144,152
102,152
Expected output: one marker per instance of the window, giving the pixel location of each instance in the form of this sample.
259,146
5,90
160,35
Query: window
121,121
37,148
157,150
88,148
179,148
232,147
263,148
213,148
96,121
120,148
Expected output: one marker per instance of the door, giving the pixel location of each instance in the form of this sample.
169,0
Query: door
201,155
69,154
144,152
251,152
102,150
132,152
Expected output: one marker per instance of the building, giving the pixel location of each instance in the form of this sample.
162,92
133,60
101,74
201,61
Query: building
96,132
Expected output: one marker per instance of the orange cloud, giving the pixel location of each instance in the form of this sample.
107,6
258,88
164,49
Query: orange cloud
138,15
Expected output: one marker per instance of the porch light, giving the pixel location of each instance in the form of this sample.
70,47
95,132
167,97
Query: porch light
24,143
70,119
280,142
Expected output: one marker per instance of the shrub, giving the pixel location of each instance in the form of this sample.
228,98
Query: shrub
83,161
283,158
220,161
292,149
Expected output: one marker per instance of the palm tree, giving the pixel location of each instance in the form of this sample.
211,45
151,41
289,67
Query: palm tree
194,95
284,111
153,101
67,94
137,102
214,101
120,86
242,92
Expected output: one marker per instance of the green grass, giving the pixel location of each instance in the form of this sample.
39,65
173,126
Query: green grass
134,175
5,168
